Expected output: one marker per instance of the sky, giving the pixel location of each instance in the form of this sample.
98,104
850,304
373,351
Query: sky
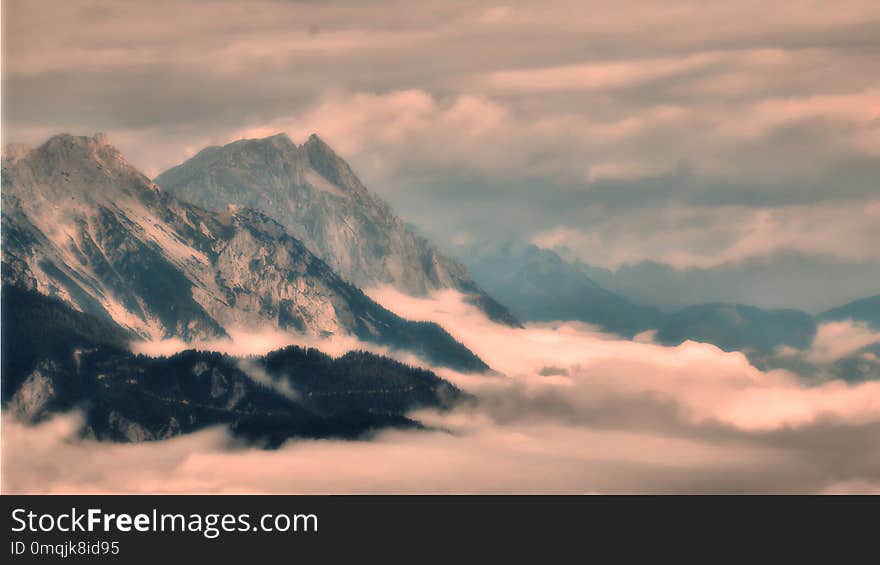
696,134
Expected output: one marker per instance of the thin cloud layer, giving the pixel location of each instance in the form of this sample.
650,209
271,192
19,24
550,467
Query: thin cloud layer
577,411
845,231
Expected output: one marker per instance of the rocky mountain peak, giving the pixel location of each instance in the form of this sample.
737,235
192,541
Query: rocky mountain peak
70,166
95,146
78,225
280,144
326,162
280,140
318,198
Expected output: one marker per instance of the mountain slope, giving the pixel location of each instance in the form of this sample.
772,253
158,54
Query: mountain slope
737,327
319,199
864,310
541,286
58,359
546,287
82,224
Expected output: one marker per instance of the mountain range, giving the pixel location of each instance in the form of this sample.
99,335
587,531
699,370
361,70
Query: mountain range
262,234
97,256
540,286
82,224
866,310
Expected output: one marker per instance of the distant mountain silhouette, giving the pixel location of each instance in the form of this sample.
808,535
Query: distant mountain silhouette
541,286
864,310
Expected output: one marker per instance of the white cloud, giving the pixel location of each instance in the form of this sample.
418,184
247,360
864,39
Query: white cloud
710,236
597,76
836,340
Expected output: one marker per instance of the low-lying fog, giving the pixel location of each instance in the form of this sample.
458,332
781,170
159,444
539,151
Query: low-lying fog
573,410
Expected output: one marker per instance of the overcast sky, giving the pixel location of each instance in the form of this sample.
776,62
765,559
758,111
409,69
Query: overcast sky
693,133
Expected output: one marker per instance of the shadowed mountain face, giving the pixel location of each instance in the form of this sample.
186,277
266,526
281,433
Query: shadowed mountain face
318,198
82,224
866,310
541,286
57,359
736,327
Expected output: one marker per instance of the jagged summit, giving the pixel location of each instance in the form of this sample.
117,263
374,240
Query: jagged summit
280,136
317,196
73,170
279,141
315,143
74,151
314,138
332,167
97,145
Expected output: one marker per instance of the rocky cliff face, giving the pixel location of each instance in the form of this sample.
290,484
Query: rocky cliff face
319,199
82,224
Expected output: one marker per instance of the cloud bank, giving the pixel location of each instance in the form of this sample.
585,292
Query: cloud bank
576,411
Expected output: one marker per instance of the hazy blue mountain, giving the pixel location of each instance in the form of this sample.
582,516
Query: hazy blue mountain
782,280
81,223
737,327
543,286
57,359
864,310
318,198
539,285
